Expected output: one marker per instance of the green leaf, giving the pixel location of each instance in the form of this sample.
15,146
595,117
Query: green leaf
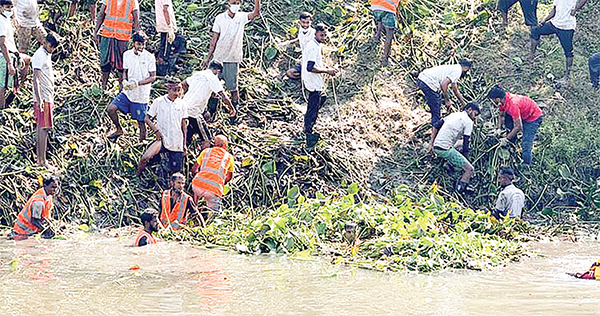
270,52
352,189
564,172
44,14
192,7
293,30
248,161
302,254
269,167
292,195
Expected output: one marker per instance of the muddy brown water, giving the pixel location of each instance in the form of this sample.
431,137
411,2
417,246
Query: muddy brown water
91,275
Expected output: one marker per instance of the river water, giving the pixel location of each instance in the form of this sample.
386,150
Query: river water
92,275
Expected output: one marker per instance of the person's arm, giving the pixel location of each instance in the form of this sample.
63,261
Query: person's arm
11,68
229,170
579,5
149,80
501,120
256,12
99,21
136,21
518,126
227,101
550,15
36,216
166,14
444,87
185,86
152,126
434,132
310,66
457,93
211,48
36,87
184,130
195,167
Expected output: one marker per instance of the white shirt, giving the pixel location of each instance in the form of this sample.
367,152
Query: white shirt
26,13
511,199
201,85
455,126
563,18
229,48
161,22
168,121
312,52
305,36
139,68
6,30
434,76
42,60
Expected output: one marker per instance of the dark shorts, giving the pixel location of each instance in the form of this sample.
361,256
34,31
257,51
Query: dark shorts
230,75
197,126
137,110
84,2
298,68
529,8
388,19
111,53
174,160
594,65
564,36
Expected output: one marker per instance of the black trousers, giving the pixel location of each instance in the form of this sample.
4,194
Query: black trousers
316,99
197,126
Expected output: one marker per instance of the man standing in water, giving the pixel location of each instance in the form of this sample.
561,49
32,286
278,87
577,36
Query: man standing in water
511,200
176,205
150,224
35,216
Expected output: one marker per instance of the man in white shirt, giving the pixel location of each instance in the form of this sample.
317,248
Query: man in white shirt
27,17
171,120
166,26
511,200
447,132
43,96
199,88
139,71
10,59
312,77
435,81
305,34
560,21
226,45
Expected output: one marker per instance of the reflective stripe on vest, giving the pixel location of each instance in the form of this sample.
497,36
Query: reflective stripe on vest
168,215
118,20
384,5
211,177
24,222
149,238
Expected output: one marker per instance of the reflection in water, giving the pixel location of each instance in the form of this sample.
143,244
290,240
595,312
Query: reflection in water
92,276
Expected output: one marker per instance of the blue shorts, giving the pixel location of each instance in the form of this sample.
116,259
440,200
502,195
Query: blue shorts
298,68
137,110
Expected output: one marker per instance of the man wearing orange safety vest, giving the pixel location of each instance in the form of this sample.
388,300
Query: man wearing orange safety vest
176,205
150,224
214,169
115,22
35,216
384,12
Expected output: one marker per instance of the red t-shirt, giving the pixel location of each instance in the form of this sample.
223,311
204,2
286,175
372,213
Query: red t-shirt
521,106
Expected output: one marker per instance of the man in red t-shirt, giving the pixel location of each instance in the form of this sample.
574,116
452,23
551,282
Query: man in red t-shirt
523,115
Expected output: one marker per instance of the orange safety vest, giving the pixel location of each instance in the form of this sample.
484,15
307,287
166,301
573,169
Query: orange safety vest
211,175
24,224
176,216
384,5
118,21
149,238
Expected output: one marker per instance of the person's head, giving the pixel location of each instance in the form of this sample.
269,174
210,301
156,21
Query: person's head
177,182
139,41
51,42
234,6
216,67
321,33
497,95
472,109
6,7
305,20
51,184
173,88
506,176
149,221
221,141
466,65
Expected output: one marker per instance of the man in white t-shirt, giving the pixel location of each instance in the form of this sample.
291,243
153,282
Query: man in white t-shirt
9,52
43,95
305,34
139,71
226,45
435,81
171,119
560,21
199,88
166,26
511,199
312,77
447,132
27,18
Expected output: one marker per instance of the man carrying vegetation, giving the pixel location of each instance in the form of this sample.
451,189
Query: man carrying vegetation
594,63
115,23
529,8
213,168
312,77
305,34
438,79
199,88
35,216
447,132
139,71
176,205
27,18
43,96
523,115
144,237
166,26
560,21
171,125
227,43
511,200
384,12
